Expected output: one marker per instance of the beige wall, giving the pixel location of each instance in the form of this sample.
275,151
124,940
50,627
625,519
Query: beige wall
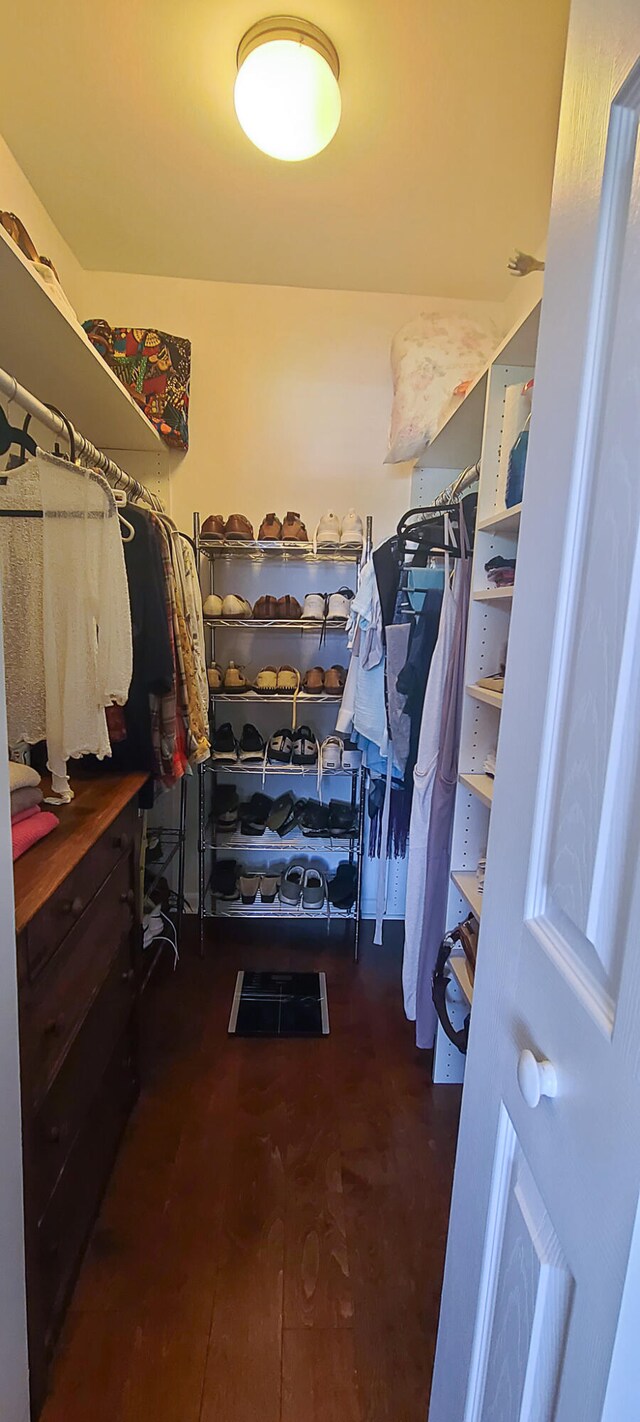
17,195
290,396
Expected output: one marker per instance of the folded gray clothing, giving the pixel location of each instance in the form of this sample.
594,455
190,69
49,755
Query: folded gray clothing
26,798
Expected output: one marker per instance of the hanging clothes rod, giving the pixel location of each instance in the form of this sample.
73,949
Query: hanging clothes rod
116,476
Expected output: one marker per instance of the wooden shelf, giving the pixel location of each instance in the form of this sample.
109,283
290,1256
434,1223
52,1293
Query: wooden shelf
482,693
495,597
460,969
506,522
480,785
49,353
466,883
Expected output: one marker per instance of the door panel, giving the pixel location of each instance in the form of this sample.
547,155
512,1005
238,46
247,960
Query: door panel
525,1298
579,841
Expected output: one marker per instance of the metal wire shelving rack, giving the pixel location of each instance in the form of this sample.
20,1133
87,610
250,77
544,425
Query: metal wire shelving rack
211,842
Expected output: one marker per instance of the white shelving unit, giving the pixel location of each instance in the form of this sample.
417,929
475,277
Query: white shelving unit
483,426
49,353
252,568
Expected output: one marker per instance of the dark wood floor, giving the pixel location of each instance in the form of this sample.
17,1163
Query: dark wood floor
272,1242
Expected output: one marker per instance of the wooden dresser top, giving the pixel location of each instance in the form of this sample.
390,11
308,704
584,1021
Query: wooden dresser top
97,803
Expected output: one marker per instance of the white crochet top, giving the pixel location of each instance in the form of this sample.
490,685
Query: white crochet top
66,619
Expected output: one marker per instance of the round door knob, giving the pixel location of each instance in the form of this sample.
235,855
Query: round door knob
127,897
536,1079
121,841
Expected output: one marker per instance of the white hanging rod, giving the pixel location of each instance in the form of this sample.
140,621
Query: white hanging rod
10,388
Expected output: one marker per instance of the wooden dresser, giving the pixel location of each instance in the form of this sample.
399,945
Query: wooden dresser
78,939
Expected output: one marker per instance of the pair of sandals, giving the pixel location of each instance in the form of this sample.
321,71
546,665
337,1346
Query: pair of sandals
331,682
277,681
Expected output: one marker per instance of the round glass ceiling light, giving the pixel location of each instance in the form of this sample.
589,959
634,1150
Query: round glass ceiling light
286,95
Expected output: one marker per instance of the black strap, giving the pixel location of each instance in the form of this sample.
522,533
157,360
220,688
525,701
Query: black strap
440,982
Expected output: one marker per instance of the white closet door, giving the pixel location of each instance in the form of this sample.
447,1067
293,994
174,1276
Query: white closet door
542,1282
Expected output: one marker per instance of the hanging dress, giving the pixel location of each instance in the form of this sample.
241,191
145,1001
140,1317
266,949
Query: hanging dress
436,885
424,774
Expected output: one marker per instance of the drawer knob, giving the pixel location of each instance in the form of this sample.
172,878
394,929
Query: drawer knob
121,841
53,1134
127,897
54,1027
73,906
128,975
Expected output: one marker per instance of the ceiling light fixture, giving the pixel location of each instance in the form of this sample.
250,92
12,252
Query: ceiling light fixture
286,95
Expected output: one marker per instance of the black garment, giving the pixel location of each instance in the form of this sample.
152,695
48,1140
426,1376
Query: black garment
412,681
153,665
387,563
153,668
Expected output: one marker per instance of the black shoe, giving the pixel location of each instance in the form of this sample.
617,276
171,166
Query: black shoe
314,819
343,823
224,880
283,816
305,747
225,808
223,744
251,744
254,815
343,887
280,747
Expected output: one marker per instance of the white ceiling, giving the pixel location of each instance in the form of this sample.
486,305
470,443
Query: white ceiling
121,115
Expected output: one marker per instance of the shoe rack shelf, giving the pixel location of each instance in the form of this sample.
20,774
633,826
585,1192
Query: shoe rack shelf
278,624
274,548
226,909
234,768
304,698
497,531
248,559
308,844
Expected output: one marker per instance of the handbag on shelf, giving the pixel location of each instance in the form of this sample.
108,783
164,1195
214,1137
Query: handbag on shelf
465,933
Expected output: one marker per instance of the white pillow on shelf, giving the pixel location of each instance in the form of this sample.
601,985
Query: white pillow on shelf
431,357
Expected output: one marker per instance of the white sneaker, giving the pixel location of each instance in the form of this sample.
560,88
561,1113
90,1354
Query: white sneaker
212,606
331,753
351,530
339,604
314,607
328,531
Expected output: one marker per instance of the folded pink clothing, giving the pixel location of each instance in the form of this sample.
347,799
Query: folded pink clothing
31,830
25,815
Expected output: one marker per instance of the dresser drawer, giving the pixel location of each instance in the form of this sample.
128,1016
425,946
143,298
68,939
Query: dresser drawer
58,1003
66,1224
58,918
66,1106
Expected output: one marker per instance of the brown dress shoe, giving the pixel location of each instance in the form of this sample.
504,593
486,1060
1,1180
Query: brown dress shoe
270,527
288,608
213,526
237,526
266,609
294,529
